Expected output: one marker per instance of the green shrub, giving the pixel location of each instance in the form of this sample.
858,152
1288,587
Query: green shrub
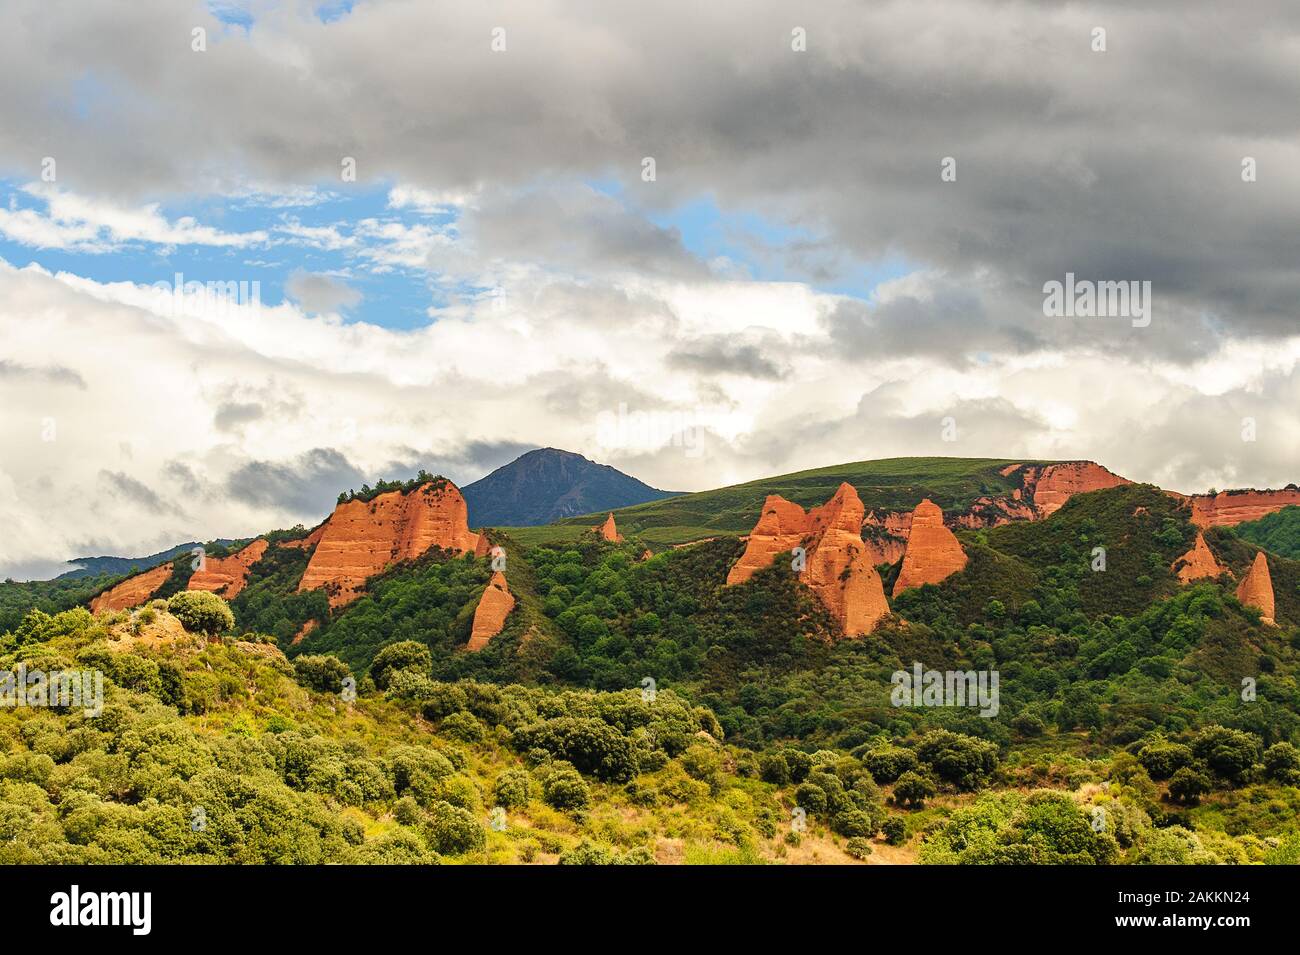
452,830
201,612
325,674
858,847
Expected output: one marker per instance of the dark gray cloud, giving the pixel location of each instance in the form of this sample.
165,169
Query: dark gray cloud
719,354
307,486
231,414
49,374
134,491
1119,164
318,293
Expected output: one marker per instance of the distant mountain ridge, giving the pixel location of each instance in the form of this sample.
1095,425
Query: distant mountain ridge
549,485
94,566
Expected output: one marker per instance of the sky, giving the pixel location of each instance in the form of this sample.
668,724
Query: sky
256,253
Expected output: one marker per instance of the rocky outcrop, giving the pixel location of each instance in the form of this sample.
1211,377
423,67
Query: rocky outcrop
609,530
996,511
838,566
490,615
1256,589
361,538
132,591
483,547
1051,485
1230,508
933,552
225,576
781,526
1199,563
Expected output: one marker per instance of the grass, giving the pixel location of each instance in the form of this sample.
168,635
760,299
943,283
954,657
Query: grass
889,484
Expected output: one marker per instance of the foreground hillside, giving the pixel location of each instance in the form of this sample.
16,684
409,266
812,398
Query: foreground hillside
392,685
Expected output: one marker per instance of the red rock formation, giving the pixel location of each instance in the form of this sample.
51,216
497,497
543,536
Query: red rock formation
1256,589
839,568
781,527
996,511
609,530
1050,486
1229,508
361,538
490,615
1198,563
483,547
933,551
225,576
132,591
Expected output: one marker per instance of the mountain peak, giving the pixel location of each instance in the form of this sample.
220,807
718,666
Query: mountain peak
547,484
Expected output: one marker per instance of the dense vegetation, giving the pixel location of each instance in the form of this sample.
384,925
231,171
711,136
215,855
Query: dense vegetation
1138,720
1278,532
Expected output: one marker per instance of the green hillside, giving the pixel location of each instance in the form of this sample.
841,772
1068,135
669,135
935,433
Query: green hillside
1278,532
889,484
1172,708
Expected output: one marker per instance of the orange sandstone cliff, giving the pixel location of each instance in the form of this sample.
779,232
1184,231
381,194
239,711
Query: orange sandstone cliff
1229,508
933,552
132,591
1198,563
1050,486
1256,588
839,568
225,576
490,615
361,538
609,530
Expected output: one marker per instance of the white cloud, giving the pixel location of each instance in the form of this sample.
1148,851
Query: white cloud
85,224
172,406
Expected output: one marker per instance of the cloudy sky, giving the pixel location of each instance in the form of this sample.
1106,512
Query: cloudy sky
702,242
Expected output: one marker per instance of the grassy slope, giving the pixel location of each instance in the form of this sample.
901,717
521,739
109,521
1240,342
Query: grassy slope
888,484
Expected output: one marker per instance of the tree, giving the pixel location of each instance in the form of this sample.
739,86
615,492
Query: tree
322,673
1282,763
406,655
201,612
1229,753
1189,785
913,789
1161,759
966,762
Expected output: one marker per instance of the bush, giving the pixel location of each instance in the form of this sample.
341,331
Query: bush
565,789
966,762
1229,753
201,612
453,830
887,763
858,847
325,674
1282,763
894,830
913,789
464,727
810,797
591,745
772,768
406,655
588,853
513,789
1162,759
1188,785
